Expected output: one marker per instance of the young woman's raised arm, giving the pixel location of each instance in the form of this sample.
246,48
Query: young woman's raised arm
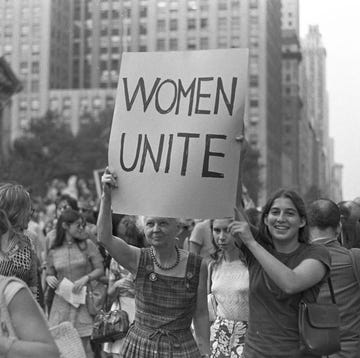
308,273
126,255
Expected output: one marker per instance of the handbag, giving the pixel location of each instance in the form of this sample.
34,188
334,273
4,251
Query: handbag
319,326
212,304
109,326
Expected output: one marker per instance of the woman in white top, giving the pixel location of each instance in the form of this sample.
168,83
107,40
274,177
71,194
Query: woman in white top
23,330
229,283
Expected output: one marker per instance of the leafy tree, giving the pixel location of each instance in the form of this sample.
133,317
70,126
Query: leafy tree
49,150
45,151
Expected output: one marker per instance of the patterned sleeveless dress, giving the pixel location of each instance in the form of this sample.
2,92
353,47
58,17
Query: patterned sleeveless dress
165,307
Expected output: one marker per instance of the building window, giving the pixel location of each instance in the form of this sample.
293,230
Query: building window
253,3
66,102
222,23
34,86
254,103
160,25
173,24
25,12
222,42
35,67
24,68
173,44
115,14
160,44
142,48
222,5
143,11
161,6
254,80
97,102
35,104
23,105
191,43
235,41
254,120
110,102
115,64
204,43
191,24
253,139
143,29
24,31
174,5
192,5
204,23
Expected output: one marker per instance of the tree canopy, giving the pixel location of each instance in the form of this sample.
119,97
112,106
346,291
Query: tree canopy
48,150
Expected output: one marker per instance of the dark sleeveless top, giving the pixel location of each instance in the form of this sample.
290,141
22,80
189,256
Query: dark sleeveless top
165,306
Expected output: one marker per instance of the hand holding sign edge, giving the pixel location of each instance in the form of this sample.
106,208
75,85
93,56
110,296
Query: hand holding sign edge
240,228
108,181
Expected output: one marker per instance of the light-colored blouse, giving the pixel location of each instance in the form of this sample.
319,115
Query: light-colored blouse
230,286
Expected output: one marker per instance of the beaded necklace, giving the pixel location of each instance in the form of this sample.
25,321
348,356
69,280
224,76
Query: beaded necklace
157,263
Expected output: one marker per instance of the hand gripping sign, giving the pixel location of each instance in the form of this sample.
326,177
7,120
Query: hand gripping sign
172,143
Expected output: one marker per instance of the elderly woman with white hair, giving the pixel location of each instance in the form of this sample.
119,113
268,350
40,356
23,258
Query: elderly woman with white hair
170,287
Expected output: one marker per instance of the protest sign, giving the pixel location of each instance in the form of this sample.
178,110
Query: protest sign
172,143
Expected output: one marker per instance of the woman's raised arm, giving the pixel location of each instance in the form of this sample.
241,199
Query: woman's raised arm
126,255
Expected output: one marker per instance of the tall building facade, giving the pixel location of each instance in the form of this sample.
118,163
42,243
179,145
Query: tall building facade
35,40
292,131
9,85
314,63
96,40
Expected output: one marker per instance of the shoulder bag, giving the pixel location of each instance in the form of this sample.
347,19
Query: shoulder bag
319,326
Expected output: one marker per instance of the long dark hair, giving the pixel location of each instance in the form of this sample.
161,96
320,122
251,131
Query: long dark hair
299,204
68,216
4,223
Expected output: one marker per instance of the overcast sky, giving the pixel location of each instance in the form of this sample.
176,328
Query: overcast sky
339,24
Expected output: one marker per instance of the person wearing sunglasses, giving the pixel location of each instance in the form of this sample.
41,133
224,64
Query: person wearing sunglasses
76,258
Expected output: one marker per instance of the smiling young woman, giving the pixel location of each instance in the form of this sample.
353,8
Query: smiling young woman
283,268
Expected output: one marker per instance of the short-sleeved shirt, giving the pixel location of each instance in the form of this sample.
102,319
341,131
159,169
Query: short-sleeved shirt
273,321
202,236
347,293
